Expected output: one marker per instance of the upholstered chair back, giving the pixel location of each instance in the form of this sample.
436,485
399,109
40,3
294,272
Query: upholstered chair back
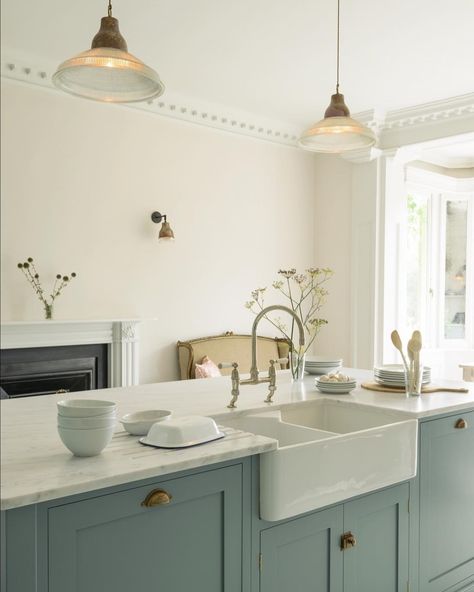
229,348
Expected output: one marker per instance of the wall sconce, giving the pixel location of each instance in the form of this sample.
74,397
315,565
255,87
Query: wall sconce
166,232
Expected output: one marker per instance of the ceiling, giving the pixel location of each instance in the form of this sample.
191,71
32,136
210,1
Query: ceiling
458,155
271,58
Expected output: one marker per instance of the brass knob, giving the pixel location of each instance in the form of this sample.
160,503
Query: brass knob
157,497
348,541
460,424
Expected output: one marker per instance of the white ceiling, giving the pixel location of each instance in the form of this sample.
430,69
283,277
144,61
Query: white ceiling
458,155
272,58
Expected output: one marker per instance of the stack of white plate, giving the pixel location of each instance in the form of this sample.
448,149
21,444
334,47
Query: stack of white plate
335,388
86,426
321,365
393,375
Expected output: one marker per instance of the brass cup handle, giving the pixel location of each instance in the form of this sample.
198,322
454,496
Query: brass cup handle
460,424
157,497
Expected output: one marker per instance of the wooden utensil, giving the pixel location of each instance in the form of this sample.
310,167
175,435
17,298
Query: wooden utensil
416,345
397,342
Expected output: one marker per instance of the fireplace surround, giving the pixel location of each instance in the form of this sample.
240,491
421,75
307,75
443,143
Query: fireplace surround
45,356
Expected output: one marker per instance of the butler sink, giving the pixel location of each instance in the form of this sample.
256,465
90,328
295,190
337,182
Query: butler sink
328,451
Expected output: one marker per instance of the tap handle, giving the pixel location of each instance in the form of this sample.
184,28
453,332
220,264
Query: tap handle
235,379
272,381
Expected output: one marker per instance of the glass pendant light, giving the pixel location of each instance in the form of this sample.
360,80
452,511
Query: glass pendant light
337,132
107,72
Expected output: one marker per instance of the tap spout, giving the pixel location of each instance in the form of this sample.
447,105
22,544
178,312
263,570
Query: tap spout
261,314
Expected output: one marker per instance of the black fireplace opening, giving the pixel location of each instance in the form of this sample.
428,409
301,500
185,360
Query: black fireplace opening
27,372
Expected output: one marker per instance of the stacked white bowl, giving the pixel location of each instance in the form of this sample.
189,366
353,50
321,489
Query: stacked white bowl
86,426
321,365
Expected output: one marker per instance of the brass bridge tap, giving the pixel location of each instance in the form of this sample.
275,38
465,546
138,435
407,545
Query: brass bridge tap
254,373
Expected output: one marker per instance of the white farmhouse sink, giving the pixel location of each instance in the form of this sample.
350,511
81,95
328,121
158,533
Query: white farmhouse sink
328,451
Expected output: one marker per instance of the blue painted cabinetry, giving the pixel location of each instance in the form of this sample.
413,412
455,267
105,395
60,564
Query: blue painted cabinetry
114,543
446,485
209,537
379,560
305,555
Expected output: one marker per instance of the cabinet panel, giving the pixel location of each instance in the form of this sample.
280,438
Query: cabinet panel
379,561
113,543
446,503
303,555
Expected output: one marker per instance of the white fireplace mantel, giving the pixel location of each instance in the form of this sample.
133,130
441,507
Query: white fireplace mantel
121,335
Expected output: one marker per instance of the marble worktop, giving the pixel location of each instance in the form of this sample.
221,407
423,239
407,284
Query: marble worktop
37,467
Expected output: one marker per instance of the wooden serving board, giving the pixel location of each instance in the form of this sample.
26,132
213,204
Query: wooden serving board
374,386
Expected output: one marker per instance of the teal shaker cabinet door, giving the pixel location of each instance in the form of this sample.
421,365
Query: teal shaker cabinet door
446,502
379,523
114,543
303,555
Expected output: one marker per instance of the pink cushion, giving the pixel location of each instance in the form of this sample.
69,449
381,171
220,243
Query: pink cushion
206,369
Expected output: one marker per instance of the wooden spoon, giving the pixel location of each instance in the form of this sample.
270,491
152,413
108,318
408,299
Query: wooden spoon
397,342
414,345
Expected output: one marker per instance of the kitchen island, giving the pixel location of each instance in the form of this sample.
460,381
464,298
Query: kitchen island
70,521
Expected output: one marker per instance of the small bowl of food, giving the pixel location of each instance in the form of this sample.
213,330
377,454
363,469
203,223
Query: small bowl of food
335,384
139,423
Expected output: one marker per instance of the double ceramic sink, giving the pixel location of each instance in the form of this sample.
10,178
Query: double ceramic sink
328,451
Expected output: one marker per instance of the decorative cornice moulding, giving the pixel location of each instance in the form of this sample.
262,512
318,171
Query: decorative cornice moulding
172,105
426,113
399,127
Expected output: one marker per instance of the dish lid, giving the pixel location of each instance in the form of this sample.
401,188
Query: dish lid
180,432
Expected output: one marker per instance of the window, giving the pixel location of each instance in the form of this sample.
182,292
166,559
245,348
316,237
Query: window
436,283
455,218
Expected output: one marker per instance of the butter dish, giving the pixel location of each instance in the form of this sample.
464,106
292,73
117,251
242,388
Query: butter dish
182,432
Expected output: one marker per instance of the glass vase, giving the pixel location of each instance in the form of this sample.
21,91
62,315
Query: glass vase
297,366
48,311
413,379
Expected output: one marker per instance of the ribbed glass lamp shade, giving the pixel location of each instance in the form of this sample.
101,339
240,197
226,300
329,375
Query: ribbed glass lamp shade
337,132
107,72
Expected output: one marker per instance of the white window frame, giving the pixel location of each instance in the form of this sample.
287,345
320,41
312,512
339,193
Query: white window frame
433,325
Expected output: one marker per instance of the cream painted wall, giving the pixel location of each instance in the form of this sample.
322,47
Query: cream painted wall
79,182
333,247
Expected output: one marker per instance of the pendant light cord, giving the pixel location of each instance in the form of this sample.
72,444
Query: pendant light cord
337,80
109,10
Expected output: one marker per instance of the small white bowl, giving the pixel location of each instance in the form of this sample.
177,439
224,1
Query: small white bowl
139,423
181,432
85,407
86,442
87,423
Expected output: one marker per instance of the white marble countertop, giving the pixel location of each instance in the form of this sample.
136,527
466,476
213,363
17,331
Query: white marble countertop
37,467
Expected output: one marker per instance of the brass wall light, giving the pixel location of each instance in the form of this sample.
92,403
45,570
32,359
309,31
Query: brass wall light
107,72
337,132
166,233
